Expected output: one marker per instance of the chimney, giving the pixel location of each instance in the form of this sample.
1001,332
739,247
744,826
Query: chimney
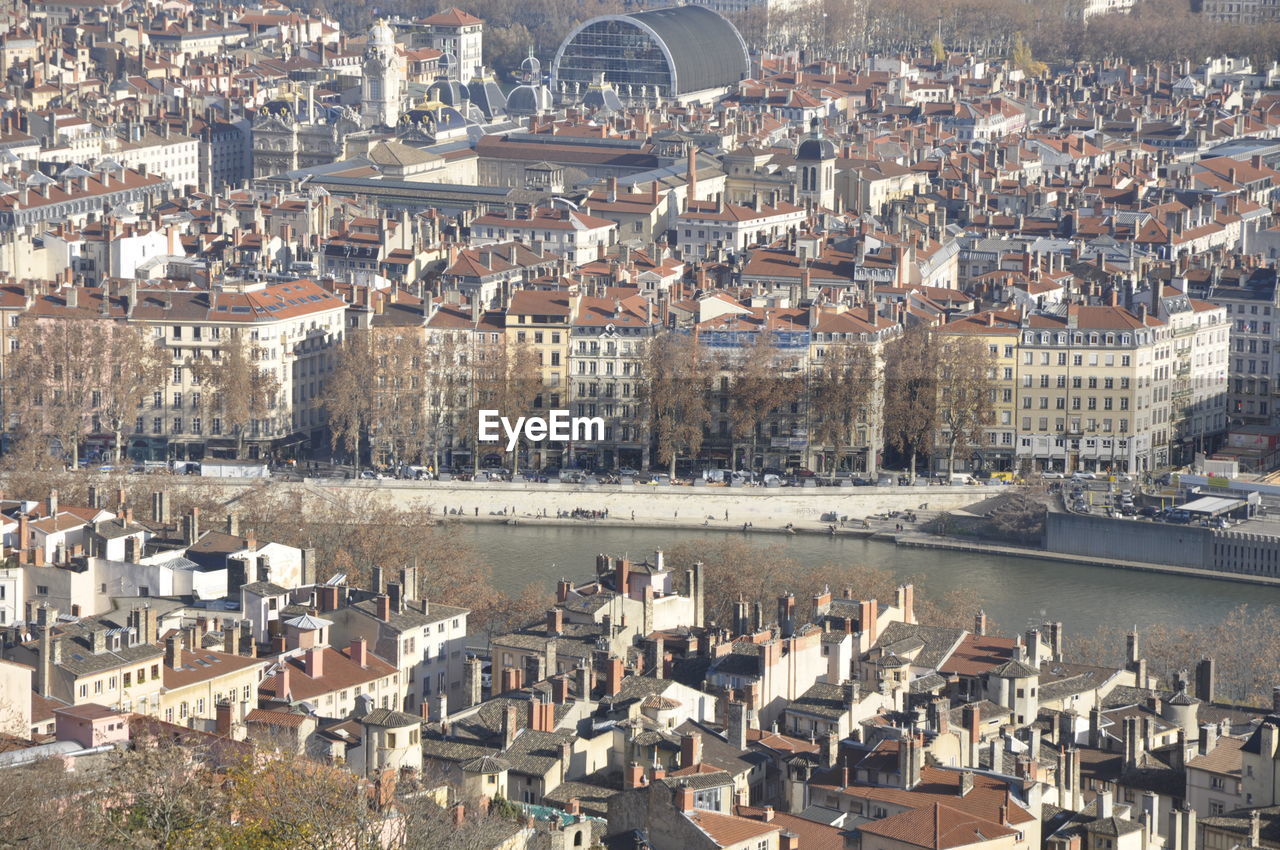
692,178
786,614
634,777
1205,683
395,597
382,604
222,722
472,683
622,576
173,652
555,622
973,723
691,750
737,724
233,525
980,623
684,798
906,602
1104,809
314,663
613,676
510,727
359,652
966,783
229,637
1208,738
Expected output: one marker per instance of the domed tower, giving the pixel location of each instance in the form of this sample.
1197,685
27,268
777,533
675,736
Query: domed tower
531,97
383,89
816,168
446,89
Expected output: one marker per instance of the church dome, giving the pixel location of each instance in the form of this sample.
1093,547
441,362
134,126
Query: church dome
448,92
531,68
815,148
529,100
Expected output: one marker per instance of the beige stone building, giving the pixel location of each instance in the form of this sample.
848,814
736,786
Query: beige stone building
1094,390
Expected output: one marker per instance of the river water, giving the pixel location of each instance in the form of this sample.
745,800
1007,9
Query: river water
1018,591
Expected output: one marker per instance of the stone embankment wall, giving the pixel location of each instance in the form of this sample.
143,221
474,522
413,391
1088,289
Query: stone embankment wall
1163,543
683,505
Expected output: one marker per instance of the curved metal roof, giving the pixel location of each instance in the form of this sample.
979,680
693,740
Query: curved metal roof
703,49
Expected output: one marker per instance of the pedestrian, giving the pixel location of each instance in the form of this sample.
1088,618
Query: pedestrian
477,510
633,516
726,514
676,514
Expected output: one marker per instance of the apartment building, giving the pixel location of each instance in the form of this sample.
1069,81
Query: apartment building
715,228
292,329
334,680
424,640
1198,391
196,678
91,660
832,328
607,345
172,156
461,35
1002,333
579,237
543,321
1094,390
1251,300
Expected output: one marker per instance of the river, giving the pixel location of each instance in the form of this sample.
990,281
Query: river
1018,591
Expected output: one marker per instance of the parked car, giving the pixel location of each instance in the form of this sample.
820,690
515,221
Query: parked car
1149,511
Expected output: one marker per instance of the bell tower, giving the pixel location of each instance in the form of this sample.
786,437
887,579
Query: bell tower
383,88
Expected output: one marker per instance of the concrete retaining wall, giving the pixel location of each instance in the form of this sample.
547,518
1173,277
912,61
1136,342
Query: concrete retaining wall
1129,540
1163,543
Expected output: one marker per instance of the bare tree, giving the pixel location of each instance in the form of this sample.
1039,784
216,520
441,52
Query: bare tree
49,384
446,390
134,367
425,825
156,795
238,389
966,392
848,394
755,389
911,394
503,376
38,807
397,428
348,394
677,378
294,802
520,383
